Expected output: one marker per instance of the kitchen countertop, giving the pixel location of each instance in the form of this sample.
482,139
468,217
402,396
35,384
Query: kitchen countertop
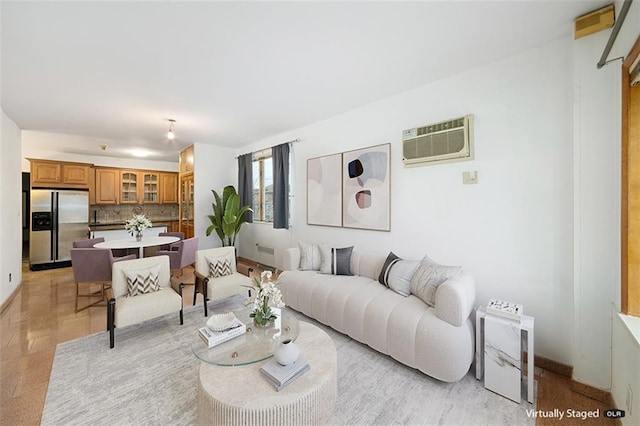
120,225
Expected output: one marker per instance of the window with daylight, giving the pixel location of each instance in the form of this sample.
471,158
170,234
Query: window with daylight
262,202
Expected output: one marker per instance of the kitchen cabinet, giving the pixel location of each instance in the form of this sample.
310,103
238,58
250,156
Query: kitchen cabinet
186,160
59,174
186,205
129,187
169,188
124,186
107,185
139,187
150,187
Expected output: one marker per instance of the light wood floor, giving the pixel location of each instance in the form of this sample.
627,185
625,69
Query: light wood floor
42,314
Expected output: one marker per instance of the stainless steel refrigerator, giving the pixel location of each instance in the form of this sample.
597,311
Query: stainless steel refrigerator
58,217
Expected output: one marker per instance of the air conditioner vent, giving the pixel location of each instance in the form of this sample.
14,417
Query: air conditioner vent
447,141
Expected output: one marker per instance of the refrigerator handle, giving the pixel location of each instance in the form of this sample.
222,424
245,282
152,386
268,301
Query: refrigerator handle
54,232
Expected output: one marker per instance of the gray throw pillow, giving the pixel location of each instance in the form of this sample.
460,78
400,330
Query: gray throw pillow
428,277
400,275
335,261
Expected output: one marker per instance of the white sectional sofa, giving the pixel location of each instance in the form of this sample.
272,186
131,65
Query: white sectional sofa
437,341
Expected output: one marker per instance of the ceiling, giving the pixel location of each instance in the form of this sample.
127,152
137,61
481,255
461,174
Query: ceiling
232,73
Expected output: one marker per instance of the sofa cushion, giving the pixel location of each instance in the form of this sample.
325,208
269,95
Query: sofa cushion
428,277
142,281
391,259
335,261
309,257
400,275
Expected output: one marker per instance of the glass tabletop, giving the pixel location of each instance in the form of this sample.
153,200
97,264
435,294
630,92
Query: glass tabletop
255,345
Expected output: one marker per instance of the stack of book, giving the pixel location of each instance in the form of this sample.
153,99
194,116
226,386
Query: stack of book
214,338
282,375
512,311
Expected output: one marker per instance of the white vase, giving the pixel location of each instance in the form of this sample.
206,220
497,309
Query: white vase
286,353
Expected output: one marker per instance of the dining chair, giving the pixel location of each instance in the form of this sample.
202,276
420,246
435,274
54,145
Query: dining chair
89,243
93,266
182,253
217,276
141,290
170,234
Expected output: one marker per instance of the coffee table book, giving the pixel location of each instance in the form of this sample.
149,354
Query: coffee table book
505,309
282,375
214,338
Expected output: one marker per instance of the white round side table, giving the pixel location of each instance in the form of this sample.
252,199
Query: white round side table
241,395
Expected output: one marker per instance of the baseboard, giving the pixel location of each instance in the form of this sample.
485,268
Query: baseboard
553,366
593,393
7,302
577,387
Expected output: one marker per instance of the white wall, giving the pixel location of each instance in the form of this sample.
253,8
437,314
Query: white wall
214,168
11,211
513,229
597,208
626,374
34,146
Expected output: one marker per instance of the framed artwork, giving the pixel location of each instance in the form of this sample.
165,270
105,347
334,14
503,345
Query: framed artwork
324,190
366,189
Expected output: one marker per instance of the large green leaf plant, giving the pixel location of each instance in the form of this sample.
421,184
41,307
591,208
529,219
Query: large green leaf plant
228,216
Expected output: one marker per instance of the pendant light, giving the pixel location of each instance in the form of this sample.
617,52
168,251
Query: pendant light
170,135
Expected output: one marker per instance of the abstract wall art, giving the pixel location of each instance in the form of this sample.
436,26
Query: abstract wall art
366,188
324,190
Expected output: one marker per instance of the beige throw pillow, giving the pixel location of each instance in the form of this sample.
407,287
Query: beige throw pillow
428,277
143,281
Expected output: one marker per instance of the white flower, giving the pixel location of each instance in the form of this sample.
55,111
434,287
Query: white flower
137,223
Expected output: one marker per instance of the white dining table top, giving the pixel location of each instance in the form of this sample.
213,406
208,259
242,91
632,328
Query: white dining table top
132,243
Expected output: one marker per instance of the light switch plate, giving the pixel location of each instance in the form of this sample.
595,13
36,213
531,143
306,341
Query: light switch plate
469,178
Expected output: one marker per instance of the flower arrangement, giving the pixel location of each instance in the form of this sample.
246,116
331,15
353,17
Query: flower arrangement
266,292
137,224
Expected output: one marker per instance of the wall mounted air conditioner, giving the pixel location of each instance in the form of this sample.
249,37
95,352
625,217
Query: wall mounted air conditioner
447,141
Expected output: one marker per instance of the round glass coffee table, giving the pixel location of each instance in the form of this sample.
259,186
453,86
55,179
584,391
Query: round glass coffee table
256,345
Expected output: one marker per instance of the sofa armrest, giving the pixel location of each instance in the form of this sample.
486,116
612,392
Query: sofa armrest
455,298
291,259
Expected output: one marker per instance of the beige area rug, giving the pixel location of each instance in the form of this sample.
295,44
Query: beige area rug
150,378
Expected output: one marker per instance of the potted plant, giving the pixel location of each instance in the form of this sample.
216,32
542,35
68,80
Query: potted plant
228,216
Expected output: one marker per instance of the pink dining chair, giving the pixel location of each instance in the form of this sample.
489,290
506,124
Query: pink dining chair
93,266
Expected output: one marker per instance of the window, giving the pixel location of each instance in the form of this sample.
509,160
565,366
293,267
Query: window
262,202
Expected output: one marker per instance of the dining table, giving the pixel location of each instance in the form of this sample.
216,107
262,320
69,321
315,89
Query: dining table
130,243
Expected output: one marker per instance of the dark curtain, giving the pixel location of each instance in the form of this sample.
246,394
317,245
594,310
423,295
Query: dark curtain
280,157
245,183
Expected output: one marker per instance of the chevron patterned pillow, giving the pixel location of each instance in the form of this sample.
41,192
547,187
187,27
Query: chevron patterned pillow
219,268
143,281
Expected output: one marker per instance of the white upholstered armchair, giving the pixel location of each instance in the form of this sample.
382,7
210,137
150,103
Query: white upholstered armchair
214,280
141,290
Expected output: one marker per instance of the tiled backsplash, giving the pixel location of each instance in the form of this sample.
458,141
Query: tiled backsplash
105,214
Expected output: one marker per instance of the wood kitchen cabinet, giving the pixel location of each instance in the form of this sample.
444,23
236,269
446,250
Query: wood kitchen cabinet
107,185
169,188
186,160
186,205
140,187
118,186
59,174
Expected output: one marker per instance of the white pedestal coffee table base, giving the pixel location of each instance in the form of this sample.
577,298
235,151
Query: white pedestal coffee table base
242,396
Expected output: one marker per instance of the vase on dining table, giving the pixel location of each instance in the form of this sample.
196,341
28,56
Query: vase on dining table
139,236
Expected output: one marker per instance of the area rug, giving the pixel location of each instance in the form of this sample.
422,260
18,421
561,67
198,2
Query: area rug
150,378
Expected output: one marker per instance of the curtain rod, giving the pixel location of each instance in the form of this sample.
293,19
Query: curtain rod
269,147
614,33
